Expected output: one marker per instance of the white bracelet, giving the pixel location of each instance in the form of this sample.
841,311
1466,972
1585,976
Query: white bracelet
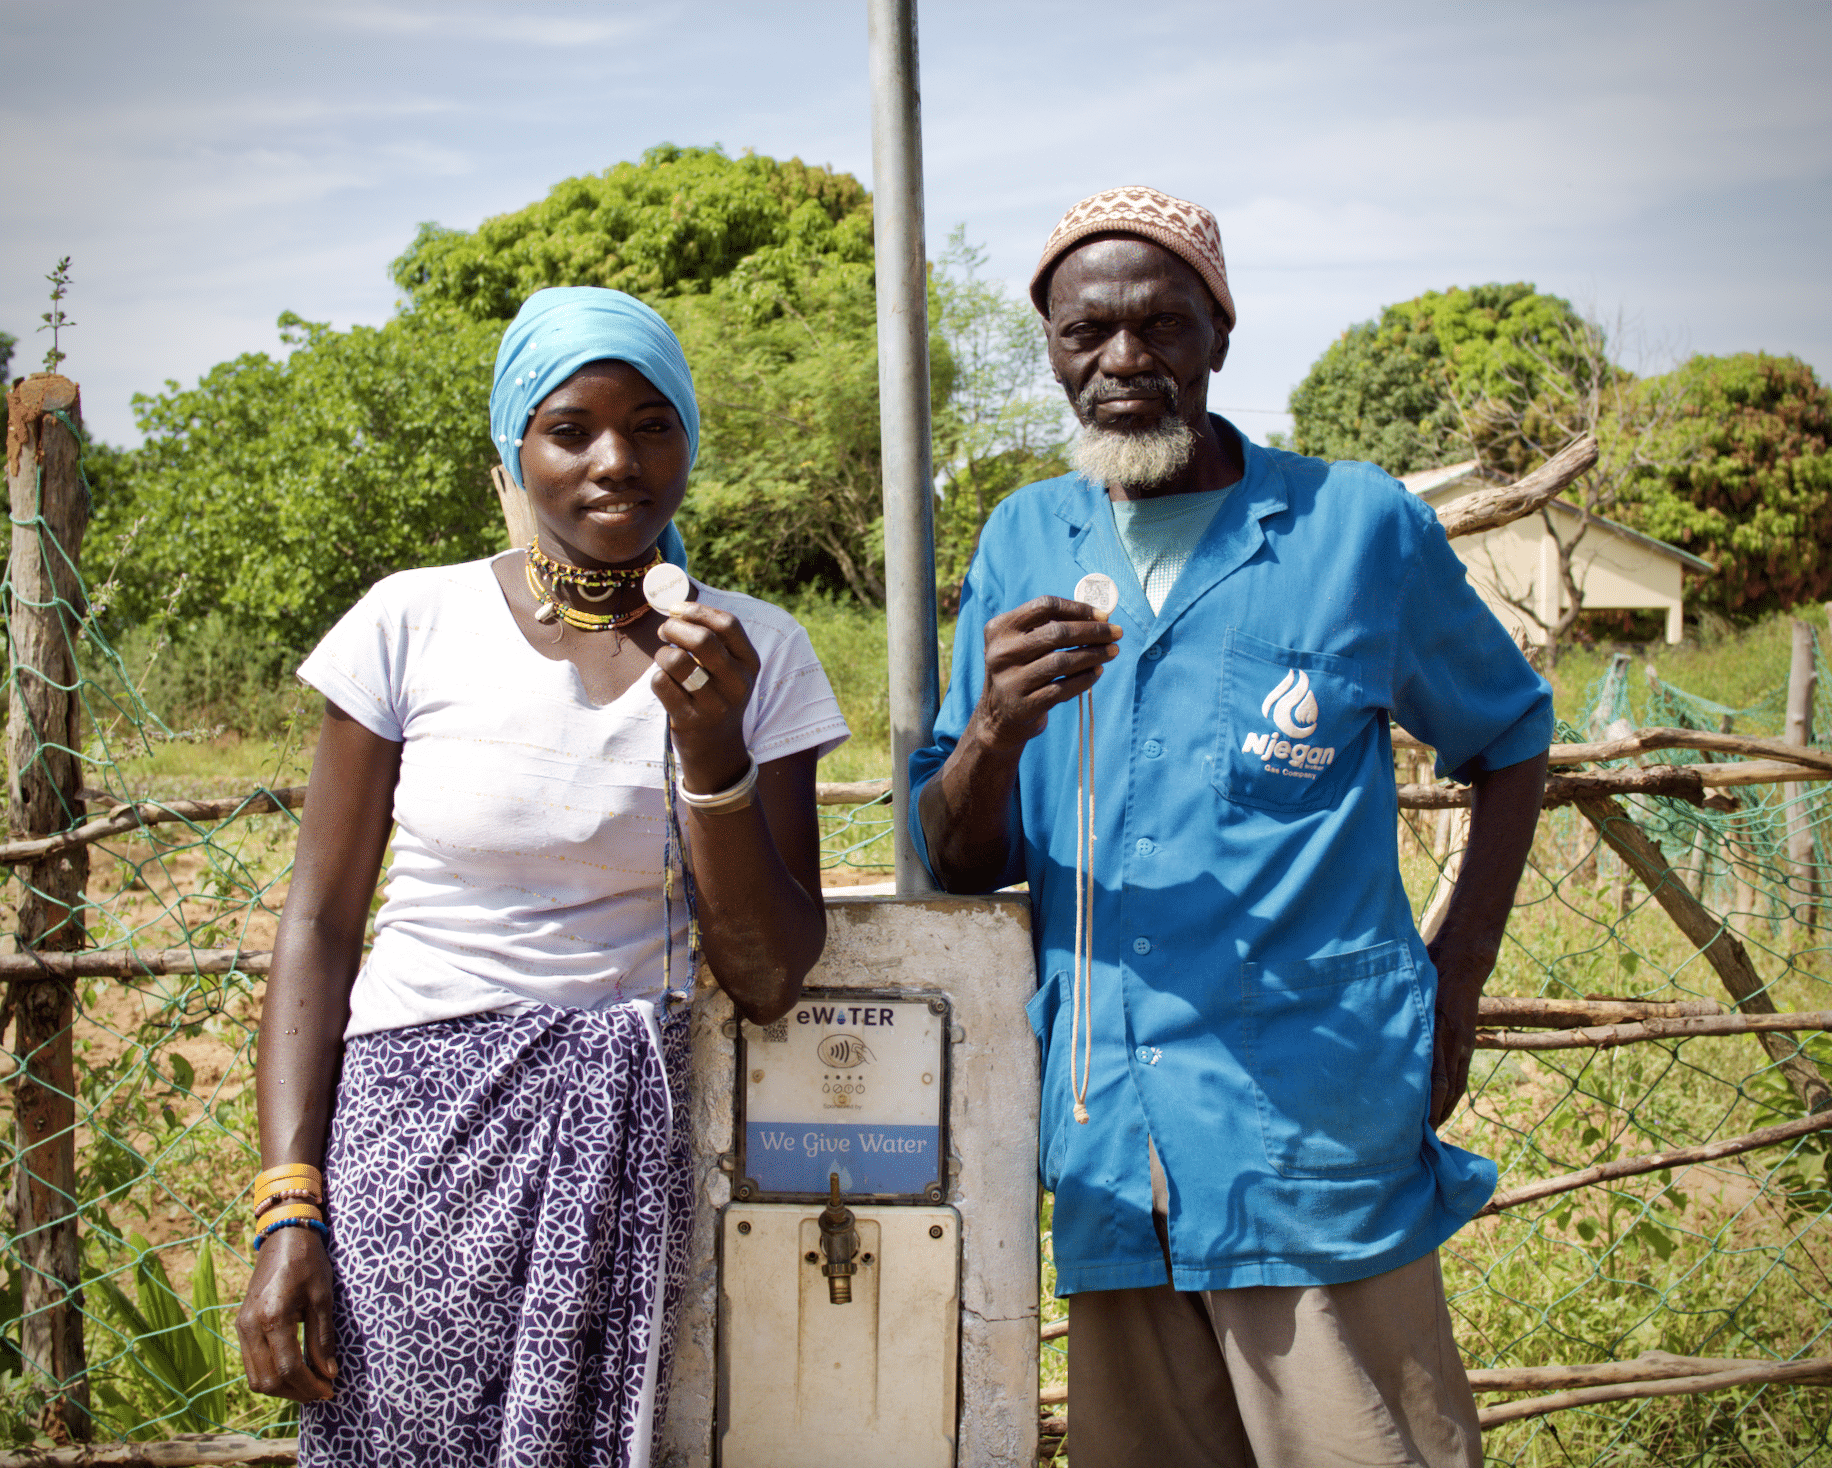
735,796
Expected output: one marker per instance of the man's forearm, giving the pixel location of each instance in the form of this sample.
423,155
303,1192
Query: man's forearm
965,812
1504,814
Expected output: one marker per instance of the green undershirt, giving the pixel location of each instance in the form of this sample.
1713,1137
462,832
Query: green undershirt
1160,534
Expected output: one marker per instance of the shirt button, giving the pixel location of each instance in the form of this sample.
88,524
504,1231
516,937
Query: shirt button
1152,749
1141,945
1143,846
1144,1054
1153,653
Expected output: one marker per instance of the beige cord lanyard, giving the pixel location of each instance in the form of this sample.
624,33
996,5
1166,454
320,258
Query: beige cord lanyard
1098,592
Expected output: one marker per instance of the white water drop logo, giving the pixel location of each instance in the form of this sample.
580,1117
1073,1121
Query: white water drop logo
1292,706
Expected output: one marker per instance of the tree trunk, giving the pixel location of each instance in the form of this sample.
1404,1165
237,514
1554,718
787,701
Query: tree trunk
50,512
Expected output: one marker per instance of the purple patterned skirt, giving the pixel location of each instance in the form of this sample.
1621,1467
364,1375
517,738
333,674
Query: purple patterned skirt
511,1206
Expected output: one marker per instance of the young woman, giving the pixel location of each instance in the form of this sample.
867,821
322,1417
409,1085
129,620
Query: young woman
485,1267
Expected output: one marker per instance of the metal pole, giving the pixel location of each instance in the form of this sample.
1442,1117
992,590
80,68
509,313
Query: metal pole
903,406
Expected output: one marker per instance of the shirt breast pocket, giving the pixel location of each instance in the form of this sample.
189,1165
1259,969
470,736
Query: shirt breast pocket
1287,720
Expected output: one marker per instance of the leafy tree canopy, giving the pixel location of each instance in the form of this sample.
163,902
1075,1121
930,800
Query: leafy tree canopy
1388,390
1750,482
277,492
673,224
7,342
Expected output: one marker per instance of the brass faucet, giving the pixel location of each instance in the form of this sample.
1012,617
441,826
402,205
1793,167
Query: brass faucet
839,1244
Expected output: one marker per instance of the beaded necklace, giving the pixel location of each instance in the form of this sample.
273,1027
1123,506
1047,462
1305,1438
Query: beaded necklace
589,585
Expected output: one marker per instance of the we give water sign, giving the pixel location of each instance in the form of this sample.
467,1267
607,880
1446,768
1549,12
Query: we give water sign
850,1084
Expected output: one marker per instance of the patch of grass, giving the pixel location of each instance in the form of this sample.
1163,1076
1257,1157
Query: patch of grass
1736,667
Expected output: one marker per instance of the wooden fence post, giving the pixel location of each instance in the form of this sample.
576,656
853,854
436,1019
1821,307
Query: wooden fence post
50,510
1802,684
1712,937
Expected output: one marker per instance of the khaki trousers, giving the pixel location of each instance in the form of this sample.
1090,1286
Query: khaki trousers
1365,1373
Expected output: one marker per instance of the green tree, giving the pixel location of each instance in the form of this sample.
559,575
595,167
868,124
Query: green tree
1748,482
1387,390
7,342
788,489
277,491
1002,425
675,223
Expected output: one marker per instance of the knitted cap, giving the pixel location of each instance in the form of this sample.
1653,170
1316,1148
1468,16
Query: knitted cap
1187,230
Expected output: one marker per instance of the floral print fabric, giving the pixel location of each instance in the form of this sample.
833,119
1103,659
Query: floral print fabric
511,1209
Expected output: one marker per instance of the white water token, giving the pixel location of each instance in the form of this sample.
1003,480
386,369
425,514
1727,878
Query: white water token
1099,592
665,587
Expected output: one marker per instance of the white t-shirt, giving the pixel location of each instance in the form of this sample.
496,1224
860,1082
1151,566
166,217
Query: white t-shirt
528,842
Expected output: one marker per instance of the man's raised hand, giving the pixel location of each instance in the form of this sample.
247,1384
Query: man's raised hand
1043,653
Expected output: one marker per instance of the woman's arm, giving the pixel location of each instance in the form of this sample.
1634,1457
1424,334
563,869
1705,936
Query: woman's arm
758,871
349,811
757,868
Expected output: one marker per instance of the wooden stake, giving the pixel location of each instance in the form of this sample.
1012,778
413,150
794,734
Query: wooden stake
1709,934
1802,684
50,512
1646,1162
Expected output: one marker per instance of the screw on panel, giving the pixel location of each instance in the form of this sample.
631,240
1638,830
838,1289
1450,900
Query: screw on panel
812,1257
744,1228
935,1230
938,1006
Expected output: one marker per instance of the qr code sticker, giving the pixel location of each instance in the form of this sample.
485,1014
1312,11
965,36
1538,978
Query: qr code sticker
773,1034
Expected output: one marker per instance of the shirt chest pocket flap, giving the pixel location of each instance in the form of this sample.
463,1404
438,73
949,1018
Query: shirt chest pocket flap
1288,719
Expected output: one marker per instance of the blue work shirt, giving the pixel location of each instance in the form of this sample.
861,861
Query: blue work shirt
1261,1000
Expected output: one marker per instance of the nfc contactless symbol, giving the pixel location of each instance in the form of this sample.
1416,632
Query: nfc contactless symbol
1099,592
1292,706
843,1052
665,587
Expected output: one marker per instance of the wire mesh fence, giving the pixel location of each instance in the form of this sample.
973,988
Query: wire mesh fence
158,960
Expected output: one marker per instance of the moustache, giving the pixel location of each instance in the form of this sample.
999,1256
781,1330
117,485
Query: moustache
1108,389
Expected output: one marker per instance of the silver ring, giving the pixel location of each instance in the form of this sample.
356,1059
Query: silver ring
696,680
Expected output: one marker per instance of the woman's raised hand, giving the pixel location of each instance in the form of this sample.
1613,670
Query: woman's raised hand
708,721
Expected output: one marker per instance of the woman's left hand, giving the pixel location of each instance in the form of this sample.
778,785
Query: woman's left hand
708,723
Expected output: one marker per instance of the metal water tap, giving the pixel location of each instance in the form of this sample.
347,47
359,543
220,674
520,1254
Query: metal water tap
839,1244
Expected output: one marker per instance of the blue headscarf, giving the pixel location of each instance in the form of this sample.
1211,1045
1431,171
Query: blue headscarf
560,330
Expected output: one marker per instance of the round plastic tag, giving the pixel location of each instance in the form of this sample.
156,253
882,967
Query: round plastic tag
1099,592
665,587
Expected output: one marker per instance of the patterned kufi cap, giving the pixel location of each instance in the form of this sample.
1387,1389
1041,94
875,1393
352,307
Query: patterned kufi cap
1187,230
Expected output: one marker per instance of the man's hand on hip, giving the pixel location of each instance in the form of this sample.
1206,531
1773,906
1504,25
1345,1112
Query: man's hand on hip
1504,813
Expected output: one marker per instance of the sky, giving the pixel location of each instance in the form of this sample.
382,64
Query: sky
208,164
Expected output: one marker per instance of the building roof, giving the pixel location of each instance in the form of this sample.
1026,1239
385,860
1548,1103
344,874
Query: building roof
1430,485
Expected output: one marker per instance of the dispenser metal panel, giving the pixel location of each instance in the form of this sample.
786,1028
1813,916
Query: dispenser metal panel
871,1382
851,1083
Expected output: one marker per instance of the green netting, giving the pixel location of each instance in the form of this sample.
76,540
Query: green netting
1730,1259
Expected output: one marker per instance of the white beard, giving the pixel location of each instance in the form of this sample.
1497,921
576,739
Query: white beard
1139,459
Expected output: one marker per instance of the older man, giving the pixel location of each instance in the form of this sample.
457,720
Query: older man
1247,1045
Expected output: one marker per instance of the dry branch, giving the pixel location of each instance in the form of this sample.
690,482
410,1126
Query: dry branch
120,963
1680,782
1605,1037
1708,933
1656,1162
1539,1014
1648,1366
190,1451
1814,1372
1657,737
126,818
1489,508
850,792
